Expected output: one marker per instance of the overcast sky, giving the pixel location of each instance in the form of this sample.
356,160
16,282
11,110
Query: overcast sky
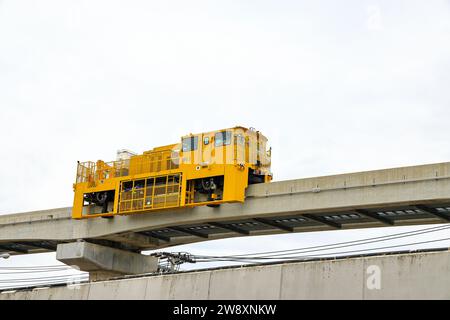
336,86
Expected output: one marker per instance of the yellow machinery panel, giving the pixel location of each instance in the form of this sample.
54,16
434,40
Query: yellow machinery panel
203,169
154,192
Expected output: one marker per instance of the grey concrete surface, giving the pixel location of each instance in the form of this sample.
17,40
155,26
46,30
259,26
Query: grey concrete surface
103,262
423,275
390,188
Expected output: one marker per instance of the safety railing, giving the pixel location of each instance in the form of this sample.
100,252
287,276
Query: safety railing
154,162
93,171
148,163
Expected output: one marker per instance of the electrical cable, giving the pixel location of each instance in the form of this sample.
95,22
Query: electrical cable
283,255
37,267
341,244
23,272
40,279
317,255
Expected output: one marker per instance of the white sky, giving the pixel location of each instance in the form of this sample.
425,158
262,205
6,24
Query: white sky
336,87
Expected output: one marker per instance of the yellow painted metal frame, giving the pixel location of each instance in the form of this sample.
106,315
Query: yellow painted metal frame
245,151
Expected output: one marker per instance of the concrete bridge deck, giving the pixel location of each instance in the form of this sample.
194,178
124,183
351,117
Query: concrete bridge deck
391,197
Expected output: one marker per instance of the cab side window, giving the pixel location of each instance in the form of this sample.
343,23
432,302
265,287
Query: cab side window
190,144
222,138
240,139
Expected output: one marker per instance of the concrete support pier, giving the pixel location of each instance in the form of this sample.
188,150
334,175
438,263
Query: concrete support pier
104,262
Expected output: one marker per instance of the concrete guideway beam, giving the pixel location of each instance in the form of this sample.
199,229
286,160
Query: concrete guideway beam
425,188
103,262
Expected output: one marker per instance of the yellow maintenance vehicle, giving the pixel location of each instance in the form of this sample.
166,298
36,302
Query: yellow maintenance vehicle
203,169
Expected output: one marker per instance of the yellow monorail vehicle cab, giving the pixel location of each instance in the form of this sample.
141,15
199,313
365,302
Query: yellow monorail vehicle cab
203,169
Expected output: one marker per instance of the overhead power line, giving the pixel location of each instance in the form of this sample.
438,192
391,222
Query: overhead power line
331,246
200,259
178,258
55,267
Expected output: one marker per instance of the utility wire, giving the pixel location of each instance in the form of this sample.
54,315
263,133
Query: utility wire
336,245
39,284
312,256
249,258
23,272
40,279
36,267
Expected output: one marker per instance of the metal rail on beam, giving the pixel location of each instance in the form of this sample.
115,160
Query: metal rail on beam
323,221
375,216
10,248
274,224
113,244
433,212
155,235
38,245
229,227
189,232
